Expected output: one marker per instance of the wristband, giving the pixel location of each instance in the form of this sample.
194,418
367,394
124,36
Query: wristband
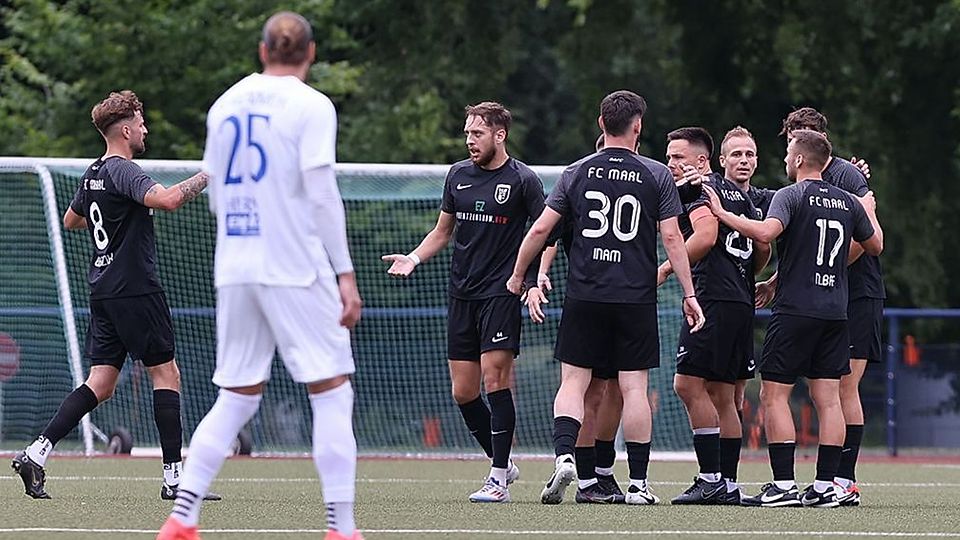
414,257
690,296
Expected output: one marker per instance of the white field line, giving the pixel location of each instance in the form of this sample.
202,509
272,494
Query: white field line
436,481
497,533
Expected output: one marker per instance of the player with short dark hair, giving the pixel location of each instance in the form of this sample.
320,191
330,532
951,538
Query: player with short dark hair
129,314
616,200
594,453
487,202
710,361
813,223
865,311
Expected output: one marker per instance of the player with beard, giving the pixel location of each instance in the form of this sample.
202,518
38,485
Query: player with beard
617,201
710,361
487,202
813,223
865,310
128,308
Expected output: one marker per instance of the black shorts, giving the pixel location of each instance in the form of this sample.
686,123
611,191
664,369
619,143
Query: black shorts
723,348
865,319
136,325
477,326
608,338
798,346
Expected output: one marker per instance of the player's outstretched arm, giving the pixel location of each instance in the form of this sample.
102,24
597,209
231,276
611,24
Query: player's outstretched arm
531,246
73,220
677,255
704,236
402,265
175,196
761,256
762,231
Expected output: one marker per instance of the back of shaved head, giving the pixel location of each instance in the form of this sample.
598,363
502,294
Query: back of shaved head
287,36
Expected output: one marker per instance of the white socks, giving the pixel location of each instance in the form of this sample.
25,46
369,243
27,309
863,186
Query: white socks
39,450
172,473
500,475
335,454
209,448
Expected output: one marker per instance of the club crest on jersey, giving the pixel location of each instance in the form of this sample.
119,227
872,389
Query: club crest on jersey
502,193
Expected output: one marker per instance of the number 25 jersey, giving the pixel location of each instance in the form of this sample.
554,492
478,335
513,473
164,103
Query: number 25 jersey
615,200
263,133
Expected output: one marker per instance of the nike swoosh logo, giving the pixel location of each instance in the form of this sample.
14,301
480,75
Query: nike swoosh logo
498,340
764,498
498,432
463,186
682,353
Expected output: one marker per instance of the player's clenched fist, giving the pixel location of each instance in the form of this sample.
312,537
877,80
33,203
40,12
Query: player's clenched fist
400,265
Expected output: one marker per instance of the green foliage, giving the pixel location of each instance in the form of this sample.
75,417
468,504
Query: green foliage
400,73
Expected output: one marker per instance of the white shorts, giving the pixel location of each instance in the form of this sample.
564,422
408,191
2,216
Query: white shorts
253,321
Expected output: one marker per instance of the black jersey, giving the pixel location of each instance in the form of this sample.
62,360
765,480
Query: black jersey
819,220
492,209
866,274
761,197
615,200
725,273
110,197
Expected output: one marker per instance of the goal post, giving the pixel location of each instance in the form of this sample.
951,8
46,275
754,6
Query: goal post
403,402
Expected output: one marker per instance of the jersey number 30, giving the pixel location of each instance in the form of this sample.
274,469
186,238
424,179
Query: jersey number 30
253,120
633,226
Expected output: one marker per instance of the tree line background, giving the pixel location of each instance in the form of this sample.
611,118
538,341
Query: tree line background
884,72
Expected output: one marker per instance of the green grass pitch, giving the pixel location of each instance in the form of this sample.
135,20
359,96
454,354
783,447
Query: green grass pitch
406,499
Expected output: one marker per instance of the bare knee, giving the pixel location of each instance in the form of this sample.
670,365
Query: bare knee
102,384
315,387
687,388
165,376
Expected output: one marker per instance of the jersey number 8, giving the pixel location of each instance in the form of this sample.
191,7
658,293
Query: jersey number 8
618,208
100,237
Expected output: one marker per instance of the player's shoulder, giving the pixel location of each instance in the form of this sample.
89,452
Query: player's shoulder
121,168
657,169
461,167
845,175
523,170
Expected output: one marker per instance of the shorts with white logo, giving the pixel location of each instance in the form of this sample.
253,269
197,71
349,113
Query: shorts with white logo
865,319
798,346
608,338
254,321
138,325
723,348
477,326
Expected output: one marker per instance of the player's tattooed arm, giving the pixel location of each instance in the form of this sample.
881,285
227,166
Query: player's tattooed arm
170,199
191,187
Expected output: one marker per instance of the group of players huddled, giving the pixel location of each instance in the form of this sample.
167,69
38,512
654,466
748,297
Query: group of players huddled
717,229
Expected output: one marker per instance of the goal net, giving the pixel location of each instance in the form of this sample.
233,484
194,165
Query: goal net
402,385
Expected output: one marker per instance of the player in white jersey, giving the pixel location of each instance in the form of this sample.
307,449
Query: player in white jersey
283,272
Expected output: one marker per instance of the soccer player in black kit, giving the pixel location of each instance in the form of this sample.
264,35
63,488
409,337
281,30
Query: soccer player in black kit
710,361
487,202
128,309
813,223
616,200
864,311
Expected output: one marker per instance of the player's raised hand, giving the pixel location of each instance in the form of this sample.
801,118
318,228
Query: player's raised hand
690,176
400,265
534,298
350,299
763,293
693,313
543,282
862,165
515,285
